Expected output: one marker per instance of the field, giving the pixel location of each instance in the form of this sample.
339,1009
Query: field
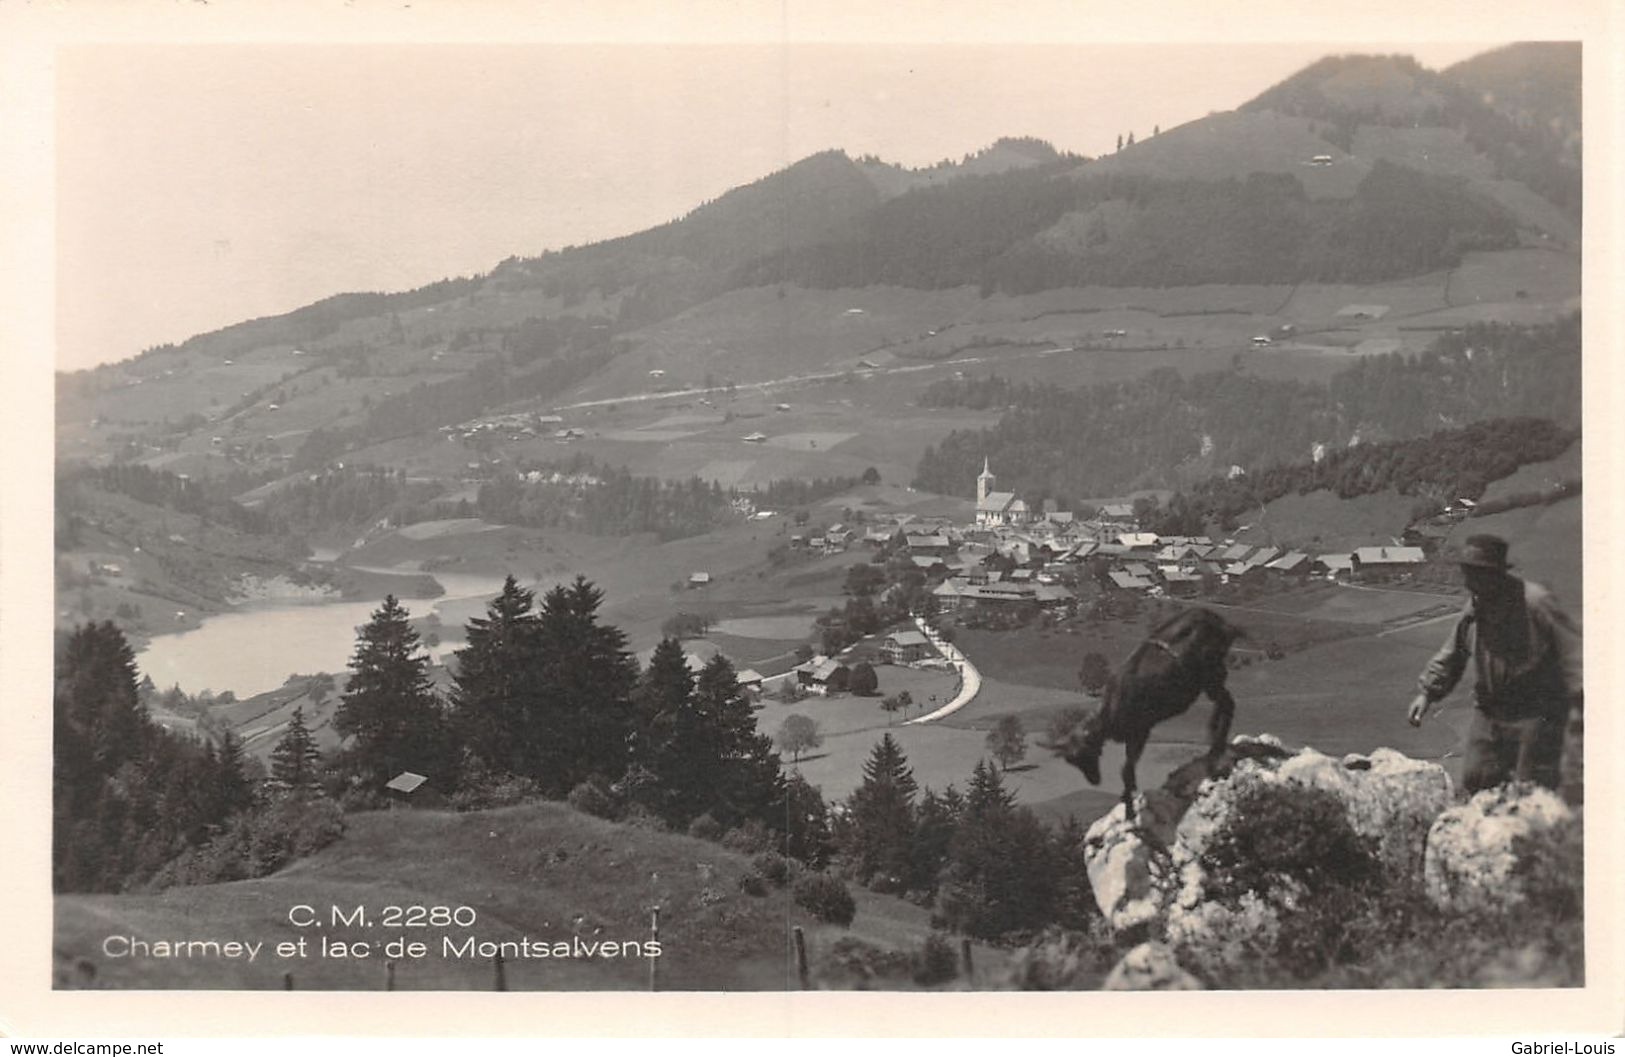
542,872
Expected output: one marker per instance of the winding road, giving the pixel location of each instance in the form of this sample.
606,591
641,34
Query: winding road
970,680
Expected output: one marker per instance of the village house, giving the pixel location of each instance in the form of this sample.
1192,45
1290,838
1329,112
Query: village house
699,579
905,647
815,675
1383,562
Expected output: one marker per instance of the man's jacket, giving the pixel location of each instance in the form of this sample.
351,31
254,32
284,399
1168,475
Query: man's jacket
1525,650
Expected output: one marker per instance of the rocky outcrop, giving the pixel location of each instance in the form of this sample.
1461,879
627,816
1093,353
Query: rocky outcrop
1470,863
1151,874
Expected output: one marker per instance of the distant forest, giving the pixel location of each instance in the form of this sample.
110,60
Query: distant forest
1162,430
979,230
591,497
1539,154
1436,469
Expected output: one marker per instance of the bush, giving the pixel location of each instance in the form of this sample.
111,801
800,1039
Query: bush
773,867
749,838
705,828
1064,960
857,965
935,962
258,843
592,798
753,884
494,791
826,898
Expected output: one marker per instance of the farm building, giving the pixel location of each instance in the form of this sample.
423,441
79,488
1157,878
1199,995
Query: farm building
1128,581
815,675
1292,565
1381,562
409,789
905,647
1334,565
699,579
933,545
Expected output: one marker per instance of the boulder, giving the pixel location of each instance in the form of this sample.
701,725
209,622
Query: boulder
1151,872
1150,967
1470,863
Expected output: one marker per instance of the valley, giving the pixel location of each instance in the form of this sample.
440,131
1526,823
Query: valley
1280,362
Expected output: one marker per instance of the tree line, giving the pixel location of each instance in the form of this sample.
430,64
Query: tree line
1048,442
980,230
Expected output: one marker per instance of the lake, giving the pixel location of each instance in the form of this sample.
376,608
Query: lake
252,650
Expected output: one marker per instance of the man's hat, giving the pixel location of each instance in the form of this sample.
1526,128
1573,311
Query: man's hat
1484,552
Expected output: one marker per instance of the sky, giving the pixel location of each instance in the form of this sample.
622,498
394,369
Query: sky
201,184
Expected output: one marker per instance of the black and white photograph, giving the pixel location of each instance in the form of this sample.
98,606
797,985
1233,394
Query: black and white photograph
776,510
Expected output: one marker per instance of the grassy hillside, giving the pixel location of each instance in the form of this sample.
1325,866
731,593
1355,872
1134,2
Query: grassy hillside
540,871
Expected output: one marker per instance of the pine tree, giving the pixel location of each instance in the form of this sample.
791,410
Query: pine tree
748,782
935,822
296,761
389,708
1001,873
880,815
233,791
492,683
578,714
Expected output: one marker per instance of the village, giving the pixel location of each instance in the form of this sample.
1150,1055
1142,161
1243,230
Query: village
1012,564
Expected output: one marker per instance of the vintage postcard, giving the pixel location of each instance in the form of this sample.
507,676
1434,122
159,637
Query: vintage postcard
767,502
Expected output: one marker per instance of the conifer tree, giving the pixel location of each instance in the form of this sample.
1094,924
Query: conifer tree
494,679
233,791
296,761
1001,873
578,717
880,815
389,708
804,823
747,782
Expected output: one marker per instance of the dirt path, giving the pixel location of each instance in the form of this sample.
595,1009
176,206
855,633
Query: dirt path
970,679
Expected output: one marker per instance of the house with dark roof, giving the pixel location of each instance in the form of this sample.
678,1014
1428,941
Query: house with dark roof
905,647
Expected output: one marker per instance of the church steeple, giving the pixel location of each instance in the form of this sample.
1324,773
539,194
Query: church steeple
984,482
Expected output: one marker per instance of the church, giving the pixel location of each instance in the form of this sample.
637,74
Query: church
994,508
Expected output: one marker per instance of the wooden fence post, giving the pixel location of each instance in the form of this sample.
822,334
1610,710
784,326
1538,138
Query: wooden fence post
501,973
801,957
389,975
287,981
964,956
654,937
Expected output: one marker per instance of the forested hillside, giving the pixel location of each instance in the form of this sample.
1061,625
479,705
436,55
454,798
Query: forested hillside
1265,229
1348,91
1161,429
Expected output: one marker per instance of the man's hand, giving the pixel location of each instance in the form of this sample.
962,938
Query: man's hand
1419,708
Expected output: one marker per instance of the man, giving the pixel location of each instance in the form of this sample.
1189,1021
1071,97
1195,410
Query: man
1526,653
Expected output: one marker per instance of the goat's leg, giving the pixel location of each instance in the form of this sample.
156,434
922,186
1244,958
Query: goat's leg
1134,746
1218,726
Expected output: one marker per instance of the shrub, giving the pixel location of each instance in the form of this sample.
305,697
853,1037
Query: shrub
935,962
1291,850
705,828
593,799
855,964
748,838
753,884
257,843
1064,960
494,791
773,867
826,898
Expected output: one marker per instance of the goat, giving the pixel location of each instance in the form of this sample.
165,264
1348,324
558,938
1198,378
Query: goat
1181,659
